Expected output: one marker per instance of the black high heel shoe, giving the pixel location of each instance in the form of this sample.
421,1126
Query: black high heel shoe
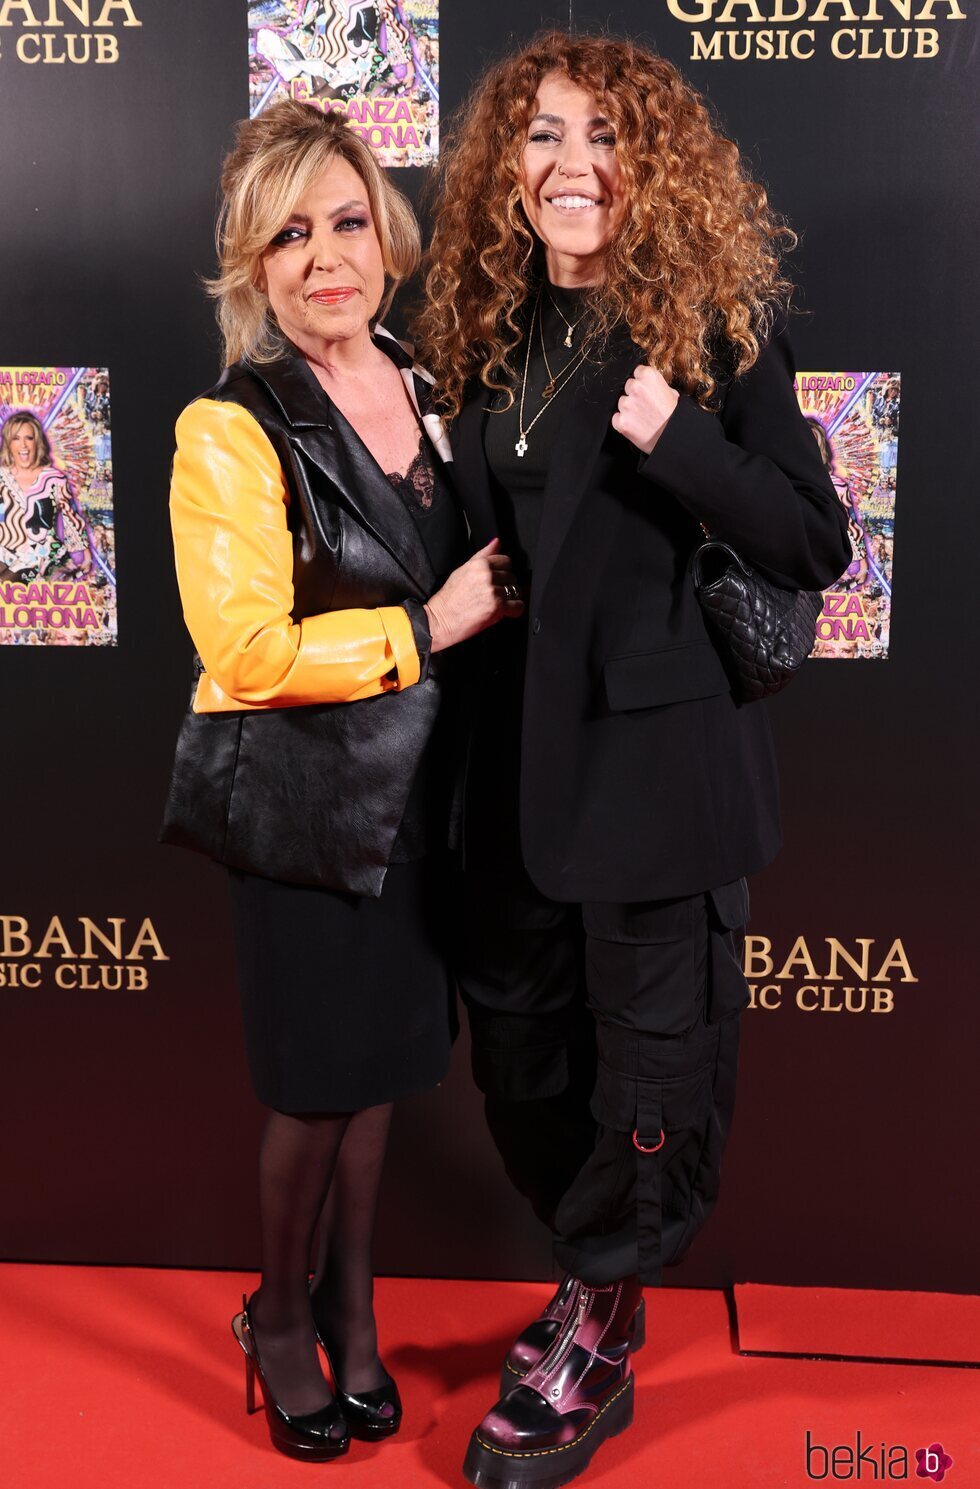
363,1410
306,1436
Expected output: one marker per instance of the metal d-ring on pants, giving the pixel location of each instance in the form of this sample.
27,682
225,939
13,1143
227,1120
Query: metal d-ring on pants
605,1040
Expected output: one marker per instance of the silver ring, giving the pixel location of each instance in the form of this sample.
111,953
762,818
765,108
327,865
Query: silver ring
511,592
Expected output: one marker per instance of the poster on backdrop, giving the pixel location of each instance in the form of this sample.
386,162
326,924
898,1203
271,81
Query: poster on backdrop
854,419
376,62
57,540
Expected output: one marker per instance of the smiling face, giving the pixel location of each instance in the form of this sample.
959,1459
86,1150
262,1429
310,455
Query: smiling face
572,184
23,447
323,272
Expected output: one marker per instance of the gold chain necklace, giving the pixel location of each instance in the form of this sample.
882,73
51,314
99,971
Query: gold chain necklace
564,377
572,325
548,390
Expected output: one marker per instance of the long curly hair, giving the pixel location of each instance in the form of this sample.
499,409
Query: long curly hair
693,268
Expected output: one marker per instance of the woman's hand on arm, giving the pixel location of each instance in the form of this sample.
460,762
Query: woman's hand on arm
475,596
234,556
754,475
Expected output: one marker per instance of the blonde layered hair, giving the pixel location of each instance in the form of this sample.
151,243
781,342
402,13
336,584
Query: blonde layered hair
42,445
693,268
276,158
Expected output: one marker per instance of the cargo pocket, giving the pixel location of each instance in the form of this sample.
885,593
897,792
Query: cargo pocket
727,989
657,1093
645,963
678,1232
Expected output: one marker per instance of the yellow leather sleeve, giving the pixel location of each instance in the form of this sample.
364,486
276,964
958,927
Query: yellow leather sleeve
234,557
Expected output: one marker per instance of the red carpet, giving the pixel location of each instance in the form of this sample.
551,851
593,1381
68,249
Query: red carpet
130,1379
838,1321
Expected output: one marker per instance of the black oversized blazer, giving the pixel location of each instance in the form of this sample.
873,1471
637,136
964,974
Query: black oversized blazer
315,794
641,776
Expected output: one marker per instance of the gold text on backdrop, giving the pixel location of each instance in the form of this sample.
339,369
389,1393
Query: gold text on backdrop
790,28
821,975
97,956
43,37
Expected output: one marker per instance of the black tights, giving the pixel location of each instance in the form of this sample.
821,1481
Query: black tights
322,1168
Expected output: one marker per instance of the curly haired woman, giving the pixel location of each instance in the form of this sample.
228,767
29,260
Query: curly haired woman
606,319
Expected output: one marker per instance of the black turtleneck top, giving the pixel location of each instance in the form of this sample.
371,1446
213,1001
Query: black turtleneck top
518,480
492,834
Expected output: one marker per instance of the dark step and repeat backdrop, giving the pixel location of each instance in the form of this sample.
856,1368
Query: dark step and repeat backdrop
128,1127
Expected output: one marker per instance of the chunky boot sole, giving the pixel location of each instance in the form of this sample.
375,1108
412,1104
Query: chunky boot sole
509,1377
548,1468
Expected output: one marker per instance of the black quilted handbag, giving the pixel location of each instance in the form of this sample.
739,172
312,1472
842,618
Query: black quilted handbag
766,632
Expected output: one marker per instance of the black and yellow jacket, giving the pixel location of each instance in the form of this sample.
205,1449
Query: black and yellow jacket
309,709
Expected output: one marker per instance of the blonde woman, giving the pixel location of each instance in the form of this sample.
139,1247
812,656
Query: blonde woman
41,533
605,323
320,557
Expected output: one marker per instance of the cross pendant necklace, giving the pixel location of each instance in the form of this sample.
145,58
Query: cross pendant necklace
554,385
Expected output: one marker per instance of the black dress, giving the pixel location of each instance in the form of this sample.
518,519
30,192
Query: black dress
347,999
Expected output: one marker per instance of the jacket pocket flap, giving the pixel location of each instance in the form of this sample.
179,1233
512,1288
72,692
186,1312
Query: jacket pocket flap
677,674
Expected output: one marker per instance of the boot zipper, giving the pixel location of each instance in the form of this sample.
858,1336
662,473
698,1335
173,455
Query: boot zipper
584,1300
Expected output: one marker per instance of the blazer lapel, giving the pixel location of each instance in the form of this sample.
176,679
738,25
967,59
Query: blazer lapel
368,493
326,438
584,425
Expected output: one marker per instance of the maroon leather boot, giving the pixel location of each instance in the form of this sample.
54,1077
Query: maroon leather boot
546,1429
528,1347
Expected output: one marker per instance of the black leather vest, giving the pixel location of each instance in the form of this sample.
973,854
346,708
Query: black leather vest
314,795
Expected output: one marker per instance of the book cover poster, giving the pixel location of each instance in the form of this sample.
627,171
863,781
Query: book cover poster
376,62
57,540
854,419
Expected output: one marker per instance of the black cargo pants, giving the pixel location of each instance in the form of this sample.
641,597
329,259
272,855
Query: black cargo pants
605,1041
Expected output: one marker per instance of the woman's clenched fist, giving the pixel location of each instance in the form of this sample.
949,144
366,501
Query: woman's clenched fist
646,404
